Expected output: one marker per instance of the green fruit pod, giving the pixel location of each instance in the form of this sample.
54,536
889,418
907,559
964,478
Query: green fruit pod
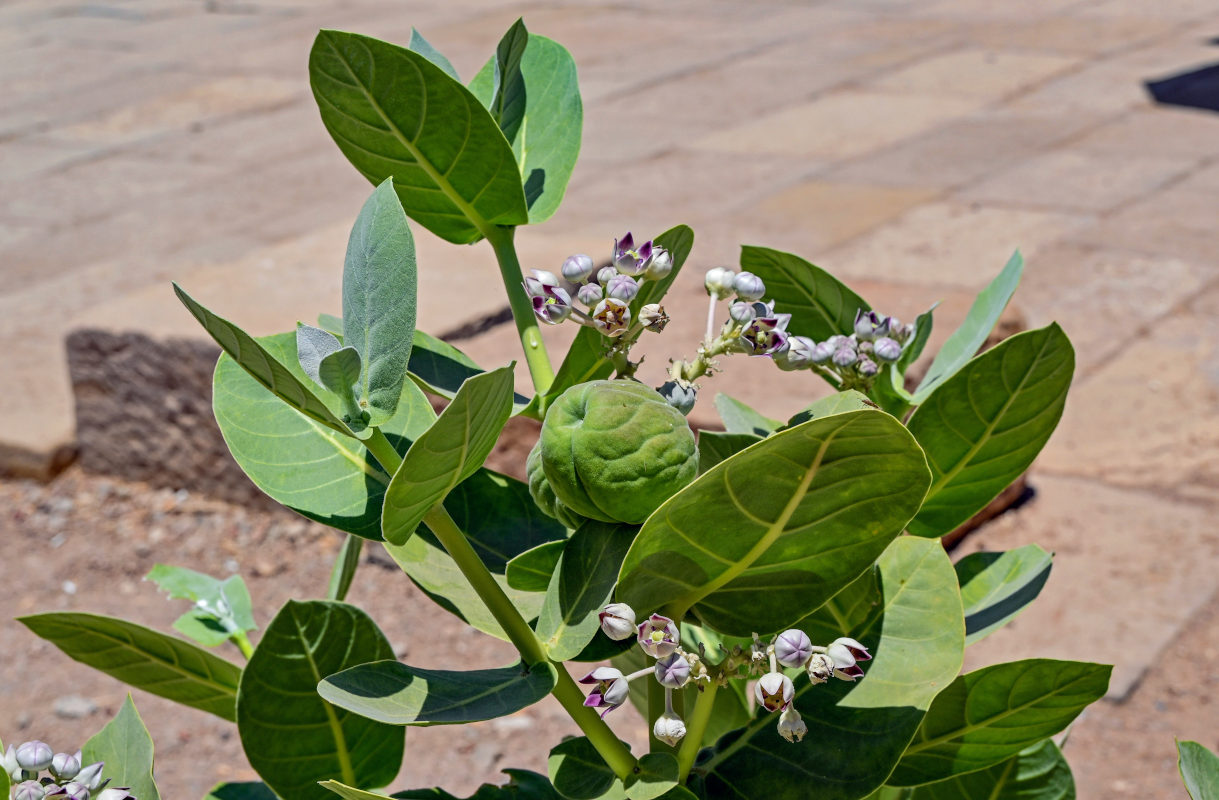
543,495
615,450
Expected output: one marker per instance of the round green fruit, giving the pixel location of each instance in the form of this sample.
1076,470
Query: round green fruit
543,495
615,450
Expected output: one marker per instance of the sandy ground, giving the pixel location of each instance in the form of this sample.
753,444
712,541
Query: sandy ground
84,542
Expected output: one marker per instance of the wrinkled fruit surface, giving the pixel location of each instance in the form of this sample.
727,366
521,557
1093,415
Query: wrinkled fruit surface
543,495
615,450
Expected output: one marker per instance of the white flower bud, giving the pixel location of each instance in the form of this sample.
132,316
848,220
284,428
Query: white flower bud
748,286
791,726
66,765
35,755
660,266
29,790
793,648
618,621
578,268
718,282
91,775
8,761
669,728
116,793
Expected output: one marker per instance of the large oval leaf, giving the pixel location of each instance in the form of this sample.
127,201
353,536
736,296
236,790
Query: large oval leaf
399,694
448,452
144,658
984,426
316,472
1038,773
1199,769
857,731
763,538
379,297
394,113
821,306
990,714
543,116
126,748
995,587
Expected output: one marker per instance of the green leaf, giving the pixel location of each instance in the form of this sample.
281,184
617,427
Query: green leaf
857,731
440,369
332,324
424,48
222,608
837,403
501,521
1037,773
531,570
398,694
340,371
448,452
5,783
544,115
740,418
821,306
523,785
995,587
582,586
261,365
914,348
577,770
126,747
585,360
394,113
291,736
250,790
656,775
1199,770
143,658
312,345
982,428
309,468
965,340
989,715
843,485
716,446
379,296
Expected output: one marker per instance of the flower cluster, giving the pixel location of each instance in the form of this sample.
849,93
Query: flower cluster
855,359
660,638
605,293
66,777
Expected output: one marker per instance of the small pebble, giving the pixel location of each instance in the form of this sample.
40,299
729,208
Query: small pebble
73,706
69,587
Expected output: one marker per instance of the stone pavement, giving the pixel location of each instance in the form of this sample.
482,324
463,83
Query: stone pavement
906,145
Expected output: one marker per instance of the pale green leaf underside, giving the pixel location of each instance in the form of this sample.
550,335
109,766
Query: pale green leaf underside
740,418
126,748
995,587
146,659
248,790
1199,769
531,570
424,48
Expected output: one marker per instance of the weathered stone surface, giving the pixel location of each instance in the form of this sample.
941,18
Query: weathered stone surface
977,73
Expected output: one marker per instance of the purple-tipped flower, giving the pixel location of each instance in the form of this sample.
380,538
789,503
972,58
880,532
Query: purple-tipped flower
767,333
590,294
536,283
798,354
659,636
91,775
718,282
618,621
844,356
741,312
669,728
887,349
35,755
66,765
553,305
29,790
791,726
8,762
774,691
659,265
622,287
578,268
793,648
867,367
631,261
869,325
820,668
612,317
748,286
610,689
845,652
679,394
653,317
116,793
73,791
672,671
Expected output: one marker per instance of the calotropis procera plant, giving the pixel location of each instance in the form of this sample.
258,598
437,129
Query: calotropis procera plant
773,598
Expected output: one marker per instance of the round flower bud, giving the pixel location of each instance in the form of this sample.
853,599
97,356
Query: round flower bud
590,294
820,668
29,790
867,367
742,313
748,286
618,621
793,648
844,356
35,755
669,728
798,354
822,353
604,274
543,495
622,287
614,450
774,691
660,265
718,282
578,268
679,394
659,636
672,671
66,765
887,349
791,726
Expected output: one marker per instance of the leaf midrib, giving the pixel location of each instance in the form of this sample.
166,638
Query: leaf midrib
332,720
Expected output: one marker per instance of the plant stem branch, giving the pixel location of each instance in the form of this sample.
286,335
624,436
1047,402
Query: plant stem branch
383,451
344,569
501,239
243,644
696,726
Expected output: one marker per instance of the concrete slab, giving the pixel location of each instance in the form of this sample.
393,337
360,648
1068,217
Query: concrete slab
977,73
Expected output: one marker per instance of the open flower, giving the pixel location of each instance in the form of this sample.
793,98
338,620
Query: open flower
845,652
610,689
791,726
768,331
631,261
774,691
553,305
659,636
612,317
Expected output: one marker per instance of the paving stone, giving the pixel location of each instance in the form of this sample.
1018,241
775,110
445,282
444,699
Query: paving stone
1121,586
976,73
839,125
1097,87
1078,181
1179,221
949,244
1160,131
1147,418
1067,34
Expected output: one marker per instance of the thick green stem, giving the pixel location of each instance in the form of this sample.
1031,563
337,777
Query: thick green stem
383,451
243,644
696,726
344,569
501,239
